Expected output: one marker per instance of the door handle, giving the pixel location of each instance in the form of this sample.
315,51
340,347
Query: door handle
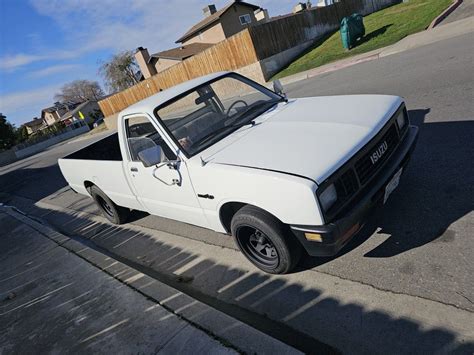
134,170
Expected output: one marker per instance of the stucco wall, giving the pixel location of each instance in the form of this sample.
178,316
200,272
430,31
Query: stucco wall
142,56
230,20
88,111
163,64
212,34
50,118
272,65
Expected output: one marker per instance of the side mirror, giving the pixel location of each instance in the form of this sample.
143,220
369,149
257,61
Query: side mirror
151,156
278,87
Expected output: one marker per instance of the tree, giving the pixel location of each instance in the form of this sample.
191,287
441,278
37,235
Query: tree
120,72
7,133
80,91
21,134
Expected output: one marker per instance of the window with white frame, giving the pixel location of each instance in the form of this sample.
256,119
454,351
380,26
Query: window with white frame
245,19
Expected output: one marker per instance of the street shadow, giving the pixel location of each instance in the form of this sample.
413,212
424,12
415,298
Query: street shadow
374,34
33,183
303,317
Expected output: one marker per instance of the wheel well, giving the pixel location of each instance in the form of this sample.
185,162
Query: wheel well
227,212
88,185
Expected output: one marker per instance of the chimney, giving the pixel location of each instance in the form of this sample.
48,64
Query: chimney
262,15
299,8
209,10
142,57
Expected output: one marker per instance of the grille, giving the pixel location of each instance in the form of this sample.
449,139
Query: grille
346,187
364,167
347,184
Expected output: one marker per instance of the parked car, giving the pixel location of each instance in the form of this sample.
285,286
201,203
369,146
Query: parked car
222,152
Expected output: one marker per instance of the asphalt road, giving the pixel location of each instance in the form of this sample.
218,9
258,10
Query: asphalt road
421,242
465,10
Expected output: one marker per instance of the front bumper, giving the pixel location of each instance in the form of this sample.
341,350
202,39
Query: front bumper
334,236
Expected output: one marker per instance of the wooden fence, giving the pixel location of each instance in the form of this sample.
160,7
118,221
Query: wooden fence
234,53
289,31
247,47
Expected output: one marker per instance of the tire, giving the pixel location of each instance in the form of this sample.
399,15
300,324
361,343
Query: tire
114,213
265,241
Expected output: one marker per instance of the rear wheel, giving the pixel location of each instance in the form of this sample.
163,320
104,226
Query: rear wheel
264,240
114,213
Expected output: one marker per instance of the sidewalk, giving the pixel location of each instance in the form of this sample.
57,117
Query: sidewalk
56,296
439,33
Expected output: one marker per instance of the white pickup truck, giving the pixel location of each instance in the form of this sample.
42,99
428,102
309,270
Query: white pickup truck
225,153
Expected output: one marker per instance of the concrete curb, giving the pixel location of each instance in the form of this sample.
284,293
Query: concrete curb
445,14
228,331
331,67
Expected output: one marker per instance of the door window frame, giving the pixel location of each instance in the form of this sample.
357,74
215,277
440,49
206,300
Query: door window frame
159,130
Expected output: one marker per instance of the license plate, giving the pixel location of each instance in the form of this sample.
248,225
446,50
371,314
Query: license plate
392,185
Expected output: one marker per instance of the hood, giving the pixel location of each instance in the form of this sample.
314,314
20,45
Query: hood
310,137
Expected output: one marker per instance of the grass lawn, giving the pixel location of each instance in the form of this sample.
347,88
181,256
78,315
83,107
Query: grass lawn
382,28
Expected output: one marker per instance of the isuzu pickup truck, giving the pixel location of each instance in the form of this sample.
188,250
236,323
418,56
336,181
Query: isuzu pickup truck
283,176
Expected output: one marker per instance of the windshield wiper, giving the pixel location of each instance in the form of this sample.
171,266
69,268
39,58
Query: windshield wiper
256,105
238,124
207,137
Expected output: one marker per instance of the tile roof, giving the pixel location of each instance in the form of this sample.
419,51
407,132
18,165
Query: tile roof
36,122
183,52
211,19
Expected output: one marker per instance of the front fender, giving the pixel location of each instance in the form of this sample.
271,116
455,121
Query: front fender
289,198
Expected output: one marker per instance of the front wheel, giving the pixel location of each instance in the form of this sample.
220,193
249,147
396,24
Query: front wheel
114,213
264,241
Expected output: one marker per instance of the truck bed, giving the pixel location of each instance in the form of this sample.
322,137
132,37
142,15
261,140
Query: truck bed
105,149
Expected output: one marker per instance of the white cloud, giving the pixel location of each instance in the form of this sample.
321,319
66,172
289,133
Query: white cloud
93,25
128,24
30,99
11,62
54,69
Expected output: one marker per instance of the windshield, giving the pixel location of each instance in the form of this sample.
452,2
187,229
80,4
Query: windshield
212,111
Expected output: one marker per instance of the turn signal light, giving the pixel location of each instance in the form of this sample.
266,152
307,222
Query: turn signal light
314,237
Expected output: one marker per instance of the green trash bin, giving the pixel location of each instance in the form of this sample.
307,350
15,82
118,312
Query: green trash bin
352,29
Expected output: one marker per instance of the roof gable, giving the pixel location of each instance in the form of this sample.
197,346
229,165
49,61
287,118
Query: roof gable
35,123
183,52
209,20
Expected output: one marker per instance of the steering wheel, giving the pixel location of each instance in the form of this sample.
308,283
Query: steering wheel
235,103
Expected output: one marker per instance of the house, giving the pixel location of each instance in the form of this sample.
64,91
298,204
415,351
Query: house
84,113
218,25
215,27
322,3
51,115
300,7
34,126
155,63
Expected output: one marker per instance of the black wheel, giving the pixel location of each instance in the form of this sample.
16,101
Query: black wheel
265,241
114,213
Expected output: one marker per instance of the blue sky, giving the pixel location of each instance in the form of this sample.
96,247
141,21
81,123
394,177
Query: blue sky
47,43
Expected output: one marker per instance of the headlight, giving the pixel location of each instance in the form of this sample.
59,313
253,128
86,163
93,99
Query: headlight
328,197
401,120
